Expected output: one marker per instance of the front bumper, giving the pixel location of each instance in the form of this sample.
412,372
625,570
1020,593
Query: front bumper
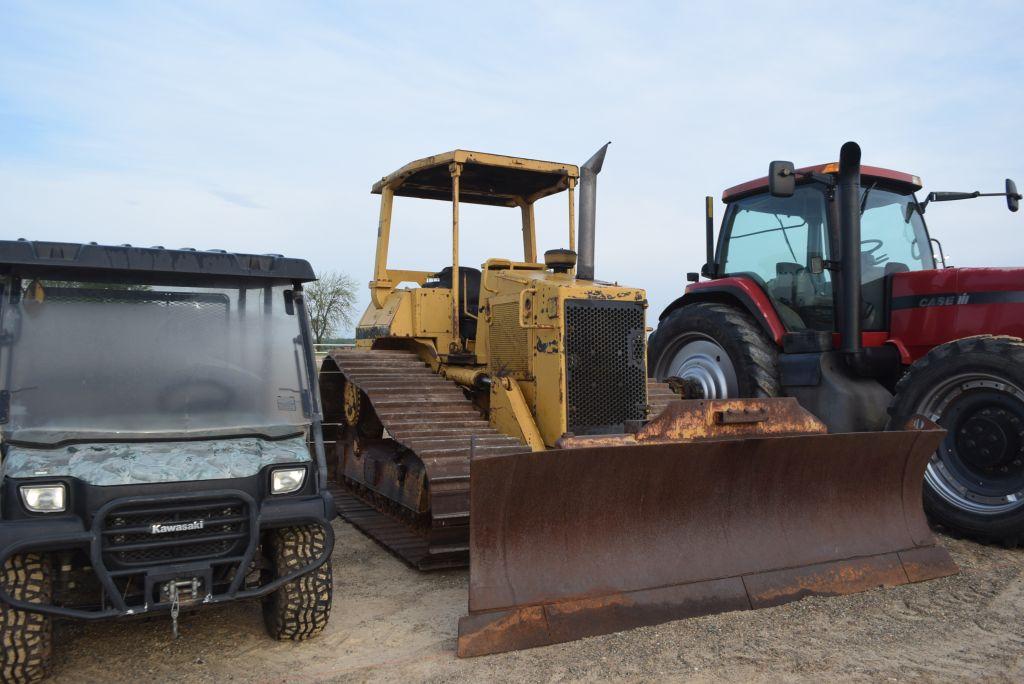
41,534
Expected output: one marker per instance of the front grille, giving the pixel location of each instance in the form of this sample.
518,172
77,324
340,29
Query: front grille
509,342
146,534
606,382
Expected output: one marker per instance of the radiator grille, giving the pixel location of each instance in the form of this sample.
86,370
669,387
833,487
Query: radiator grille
510,352
209,528
606,381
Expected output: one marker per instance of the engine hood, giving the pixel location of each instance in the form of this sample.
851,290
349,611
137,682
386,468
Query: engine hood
121,463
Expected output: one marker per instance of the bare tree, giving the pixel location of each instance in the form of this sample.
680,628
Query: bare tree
331,300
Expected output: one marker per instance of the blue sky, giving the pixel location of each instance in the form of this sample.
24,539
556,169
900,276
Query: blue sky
260,127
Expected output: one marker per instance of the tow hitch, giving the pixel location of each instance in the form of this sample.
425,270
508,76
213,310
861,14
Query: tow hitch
178,592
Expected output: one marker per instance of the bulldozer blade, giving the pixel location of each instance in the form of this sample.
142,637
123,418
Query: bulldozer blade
578,542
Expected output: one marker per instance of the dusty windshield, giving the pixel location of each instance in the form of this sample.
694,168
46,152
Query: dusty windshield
86,361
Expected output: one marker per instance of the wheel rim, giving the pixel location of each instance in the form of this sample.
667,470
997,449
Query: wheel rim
700,358
979,467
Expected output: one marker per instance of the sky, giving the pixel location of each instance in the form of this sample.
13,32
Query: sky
260,127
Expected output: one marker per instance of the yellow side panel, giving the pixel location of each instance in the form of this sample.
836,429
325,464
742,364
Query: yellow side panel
391,320
432,312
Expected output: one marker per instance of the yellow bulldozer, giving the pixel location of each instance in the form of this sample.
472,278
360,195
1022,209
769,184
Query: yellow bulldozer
503,417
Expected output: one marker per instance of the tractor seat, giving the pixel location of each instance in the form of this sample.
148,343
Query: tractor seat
791,288
469,295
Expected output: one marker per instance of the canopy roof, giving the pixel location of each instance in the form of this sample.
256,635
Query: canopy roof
909,183
103,262
493,179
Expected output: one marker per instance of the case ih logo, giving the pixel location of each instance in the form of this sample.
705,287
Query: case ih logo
944,300
176,527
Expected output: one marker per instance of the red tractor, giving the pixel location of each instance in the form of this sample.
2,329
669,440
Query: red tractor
824,286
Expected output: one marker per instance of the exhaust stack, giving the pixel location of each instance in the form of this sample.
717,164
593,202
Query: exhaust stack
588,211
849,230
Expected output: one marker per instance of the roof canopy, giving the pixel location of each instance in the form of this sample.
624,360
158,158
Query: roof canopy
102,262
908,182
486,178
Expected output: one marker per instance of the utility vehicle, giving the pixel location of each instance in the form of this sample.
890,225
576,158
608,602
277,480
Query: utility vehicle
161,441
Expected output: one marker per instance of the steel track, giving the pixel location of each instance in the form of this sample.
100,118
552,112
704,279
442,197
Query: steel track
434,419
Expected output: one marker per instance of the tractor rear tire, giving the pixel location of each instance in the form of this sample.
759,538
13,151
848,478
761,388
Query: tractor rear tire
300,609
974,388
26,638
718,346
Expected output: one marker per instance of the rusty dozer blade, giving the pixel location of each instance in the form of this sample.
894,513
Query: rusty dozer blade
642,529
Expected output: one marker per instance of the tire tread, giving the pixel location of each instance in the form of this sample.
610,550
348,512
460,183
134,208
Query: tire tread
301,608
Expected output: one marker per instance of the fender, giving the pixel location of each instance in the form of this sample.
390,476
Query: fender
736,291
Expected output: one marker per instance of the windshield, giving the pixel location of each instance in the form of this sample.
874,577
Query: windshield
86,361
893,240
774,240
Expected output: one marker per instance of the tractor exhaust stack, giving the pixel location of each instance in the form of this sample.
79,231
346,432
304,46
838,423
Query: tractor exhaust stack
849,231
588,212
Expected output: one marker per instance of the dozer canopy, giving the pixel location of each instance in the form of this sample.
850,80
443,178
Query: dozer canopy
494,179
584,541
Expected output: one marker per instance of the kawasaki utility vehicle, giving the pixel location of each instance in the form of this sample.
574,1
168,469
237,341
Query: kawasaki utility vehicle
161,441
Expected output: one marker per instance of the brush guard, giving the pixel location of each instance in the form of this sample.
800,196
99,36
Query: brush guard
610,533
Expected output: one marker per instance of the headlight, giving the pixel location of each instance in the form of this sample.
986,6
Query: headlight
286,480
48,498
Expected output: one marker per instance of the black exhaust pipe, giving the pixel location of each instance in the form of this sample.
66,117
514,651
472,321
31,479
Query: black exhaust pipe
588,212
849,244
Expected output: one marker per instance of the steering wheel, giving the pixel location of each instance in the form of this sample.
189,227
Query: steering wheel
876,245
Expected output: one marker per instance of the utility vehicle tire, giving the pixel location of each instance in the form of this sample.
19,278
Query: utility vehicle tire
719,347
26,638
974,388
300,609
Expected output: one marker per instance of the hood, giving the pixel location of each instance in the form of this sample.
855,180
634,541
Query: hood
121,463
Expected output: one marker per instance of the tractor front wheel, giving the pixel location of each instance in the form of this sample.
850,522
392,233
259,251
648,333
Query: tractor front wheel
974,388
716,347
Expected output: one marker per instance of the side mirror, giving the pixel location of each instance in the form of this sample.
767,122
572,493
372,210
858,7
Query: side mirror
1012,196
781,179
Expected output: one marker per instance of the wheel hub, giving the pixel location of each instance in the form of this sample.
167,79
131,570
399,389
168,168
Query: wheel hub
704,362
983,441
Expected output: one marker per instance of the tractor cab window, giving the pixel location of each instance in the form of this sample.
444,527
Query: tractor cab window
893,240
773,240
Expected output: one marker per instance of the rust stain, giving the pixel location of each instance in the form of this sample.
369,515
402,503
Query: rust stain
692,420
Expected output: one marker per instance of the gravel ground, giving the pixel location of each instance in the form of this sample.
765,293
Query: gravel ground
392,624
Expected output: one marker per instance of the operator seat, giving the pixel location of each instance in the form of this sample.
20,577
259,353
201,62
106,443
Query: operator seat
469,295
790,287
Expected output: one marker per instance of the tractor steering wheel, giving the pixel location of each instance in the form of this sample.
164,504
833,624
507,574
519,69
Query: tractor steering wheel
876,245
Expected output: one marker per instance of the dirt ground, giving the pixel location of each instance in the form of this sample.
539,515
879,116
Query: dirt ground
392,624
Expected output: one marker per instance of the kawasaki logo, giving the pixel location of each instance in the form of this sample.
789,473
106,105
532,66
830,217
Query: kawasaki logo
176,527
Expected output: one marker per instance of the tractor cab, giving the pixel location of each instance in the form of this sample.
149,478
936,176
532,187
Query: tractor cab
786,244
